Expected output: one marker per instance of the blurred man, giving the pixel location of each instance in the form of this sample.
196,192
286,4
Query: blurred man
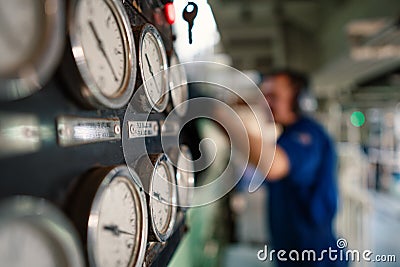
301,179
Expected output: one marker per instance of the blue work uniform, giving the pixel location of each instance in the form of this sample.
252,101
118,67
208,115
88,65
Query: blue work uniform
302,206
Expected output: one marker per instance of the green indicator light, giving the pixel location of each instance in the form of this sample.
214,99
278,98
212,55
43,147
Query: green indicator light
357,118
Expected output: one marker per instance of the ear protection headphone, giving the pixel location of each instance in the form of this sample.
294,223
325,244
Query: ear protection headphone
304,101
307,102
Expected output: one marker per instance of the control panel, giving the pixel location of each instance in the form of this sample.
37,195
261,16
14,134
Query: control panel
85,90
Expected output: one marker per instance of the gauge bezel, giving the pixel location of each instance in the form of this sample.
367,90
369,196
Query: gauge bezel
48,220
180,88
163,236
162,104
30,78
185,188
146,167
88,88
133,182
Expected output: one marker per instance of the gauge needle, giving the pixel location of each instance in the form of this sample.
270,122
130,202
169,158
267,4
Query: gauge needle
101,47
158,196
115,230
151,72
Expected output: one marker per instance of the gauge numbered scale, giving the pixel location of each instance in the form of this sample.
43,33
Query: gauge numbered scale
102,53
152,93
35,233
109,208
178,85
31,41
185,178
159,181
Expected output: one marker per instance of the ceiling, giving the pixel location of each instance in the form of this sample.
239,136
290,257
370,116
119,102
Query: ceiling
309,35
260,34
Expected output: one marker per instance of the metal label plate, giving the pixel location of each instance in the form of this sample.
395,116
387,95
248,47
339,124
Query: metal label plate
142,129
72,131
19,134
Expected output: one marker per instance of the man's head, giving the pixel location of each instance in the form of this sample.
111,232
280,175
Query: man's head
282,90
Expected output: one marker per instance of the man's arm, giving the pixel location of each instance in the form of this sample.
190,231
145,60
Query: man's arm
270,159
261,156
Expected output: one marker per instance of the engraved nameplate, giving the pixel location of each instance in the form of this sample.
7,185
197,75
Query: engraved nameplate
74,131
19,134
142,129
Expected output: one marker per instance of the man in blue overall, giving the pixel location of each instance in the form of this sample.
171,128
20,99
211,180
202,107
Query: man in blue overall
302,182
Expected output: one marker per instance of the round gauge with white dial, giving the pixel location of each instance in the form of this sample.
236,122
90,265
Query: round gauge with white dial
31,40
18,238
116,229
163,198
35,233
185,177
116,232
153,68
159,182
178,85
20,32
104,52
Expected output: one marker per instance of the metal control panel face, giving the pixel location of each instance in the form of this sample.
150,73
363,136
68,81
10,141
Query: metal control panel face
71,134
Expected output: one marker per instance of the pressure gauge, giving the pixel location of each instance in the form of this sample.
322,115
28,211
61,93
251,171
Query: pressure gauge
110,208
153,69
104,52
158,174
31,40
35,233
178,85
185,177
